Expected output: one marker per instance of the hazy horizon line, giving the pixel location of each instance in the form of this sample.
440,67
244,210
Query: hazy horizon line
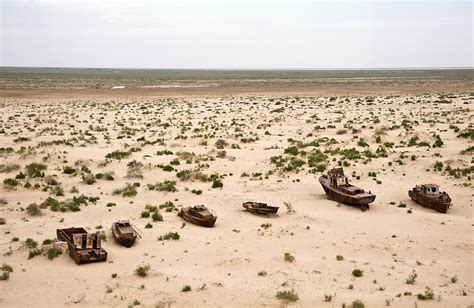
248,69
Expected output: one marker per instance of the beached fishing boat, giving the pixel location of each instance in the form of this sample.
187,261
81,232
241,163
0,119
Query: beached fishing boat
337,187
124,233
83,247
199,215
428,195
260,208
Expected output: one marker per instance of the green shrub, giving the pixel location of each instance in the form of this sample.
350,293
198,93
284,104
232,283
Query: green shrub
53,252
288,257
6,168
33,210
10,182
35,170
217,183
89,179
34,252
142,271
31,243
118,154
288,295
357,273
357,304
69,170
169,236
156,216
427,296
6,268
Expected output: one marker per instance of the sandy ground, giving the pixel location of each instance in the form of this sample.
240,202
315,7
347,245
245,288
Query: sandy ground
222,264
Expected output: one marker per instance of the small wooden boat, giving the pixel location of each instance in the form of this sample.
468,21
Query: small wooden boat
83,247
337,187
199,215
124,233
260,208
428,195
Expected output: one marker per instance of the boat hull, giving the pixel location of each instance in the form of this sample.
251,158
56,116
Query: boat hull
80,256
333,193
208,223
268,210
126,240
436,202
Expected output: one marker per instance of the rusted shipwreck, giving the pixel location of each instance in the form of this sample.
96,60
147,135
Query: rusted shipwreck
199,215
124,233
428,195
260,208
83,247
337,187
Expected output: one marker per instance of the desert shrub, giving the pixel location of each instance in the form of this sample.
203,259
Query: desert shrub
164,152
169,236
156,216
5,276
292,150
196,191
127,191
288,257
316,157
428,295
118,154
142,271
411,278
351,153
10,182
89,179
357,304
53,252
31,243
357,273
35,170
186,289
221,143
34,252
69,170
2,221
6,168
6,268
217,183
288,295
339,258
50,202
33,209
361,142
166,186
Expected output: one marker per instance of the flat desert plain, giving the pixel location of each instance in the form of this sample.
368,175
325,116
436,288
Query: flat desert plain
87,162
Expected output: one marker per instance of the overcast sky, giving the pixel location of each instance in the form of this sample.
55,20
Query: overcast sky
236,34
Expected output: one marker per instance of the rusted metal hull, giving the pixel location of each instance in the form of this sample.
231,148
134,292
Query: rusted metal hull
204,222
126,239
260,208
336,194
80,256
439,202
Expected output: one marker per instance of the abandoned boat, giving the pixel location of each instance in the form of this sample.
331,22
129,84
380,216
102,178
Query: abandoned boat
83,247
260,208
124,233
337,187
428,195
199,215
